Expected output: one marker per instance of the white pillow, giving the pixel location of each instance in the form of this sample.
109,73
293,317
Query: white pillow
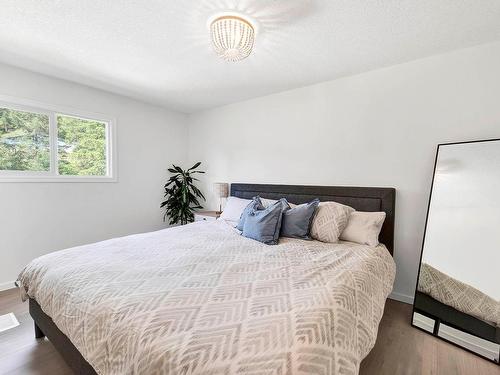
363,227
233,209
329,221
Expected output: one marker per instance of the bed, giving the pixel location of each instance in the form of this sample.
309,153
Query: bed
201,299
459,295
449,301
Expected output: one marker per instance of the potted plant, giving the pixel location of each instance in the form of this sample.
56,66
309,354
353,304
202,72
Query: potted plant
182,195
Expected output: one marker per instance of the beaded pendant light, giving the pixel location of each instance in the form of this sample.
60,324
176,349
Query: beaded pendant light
232,37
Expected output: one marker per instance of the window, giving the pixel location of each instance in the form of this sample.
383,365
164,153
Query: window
24,141
49,145
81,146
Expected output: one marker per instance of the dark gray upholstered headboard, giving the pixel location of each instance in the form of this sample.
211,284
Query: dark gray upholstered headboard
360,198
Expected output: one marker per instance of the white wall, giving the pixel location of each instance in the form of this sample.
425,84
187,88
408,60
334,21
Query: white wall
375,129
36,218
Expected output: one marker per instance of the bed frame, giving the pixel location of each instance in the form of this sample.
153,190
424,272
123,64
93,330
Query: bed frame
361,198
442,313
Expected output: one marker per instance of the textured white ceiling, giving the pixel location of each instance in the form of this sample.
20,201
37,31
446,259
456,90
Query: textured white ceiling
159,50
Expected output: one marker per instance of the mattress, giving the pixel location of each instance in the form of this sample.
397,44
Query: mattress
458,295
201,299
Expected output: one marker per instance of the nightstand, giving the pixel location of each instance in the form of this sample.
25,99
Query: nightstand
206,215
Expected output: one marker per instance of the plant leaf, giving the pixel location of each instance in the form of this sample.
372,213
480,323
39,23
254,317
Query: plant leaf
195,166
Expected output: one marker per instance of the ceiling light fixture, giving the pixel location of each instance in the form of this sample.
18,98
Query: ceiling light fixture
232,37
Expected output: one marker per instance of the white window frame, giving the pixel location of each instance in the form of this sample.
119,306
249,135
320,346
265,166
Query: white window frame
52,111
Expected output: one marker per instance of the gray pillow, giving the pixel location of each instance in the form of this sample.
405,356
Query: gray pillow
296,222
264,225
255,204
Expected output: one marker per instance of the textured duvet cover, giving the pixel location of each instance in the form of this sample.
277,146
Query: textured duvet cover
201,299
459,295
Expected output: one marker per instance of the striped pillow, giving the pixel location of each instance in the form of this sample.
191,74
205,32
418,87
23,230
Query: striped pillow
329,221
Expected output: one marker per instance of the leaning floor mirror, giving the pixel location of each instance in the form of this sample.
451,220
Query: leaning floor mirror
458,289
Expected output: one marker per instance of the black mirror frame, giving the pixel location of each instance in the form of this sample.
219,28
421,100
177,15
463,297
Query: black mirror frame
414,309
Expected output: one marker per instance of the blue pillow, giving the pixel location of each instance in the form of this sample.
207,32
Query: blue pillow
296,222
255,204
264,225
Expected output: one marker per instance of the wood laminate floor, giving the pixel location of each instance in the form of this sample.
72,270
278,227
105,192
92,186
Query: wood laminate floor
400,348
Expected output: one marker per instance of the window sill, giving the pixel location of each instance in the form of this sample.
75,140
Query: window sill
72,179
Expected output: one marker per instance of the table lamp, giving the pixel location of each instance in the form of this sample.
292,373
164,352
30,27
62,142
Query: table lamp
221,190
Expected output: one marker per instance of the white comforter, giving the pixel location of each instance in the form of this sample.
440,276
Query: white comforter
202,299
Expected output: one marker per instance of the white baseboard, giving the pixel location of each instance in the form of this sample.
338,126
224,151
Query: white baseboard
7,285
401,297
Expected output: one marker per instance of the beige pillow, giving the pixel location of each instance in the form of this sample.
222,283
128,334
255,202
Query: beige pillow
363,227
329,221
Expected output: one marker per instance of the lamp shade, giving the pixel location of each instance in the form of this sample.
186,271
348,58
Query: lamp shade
221,189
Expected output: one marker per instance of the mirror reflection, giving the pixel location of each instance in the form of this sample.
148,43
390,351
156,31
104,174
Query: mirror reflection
458,289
